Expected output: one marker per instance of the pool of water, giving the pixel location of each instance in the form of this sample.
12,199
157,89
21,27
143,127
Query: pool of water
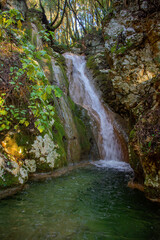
88,203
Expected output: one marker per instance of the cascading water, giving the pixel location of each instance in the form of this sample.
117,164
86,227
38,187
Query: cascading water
83,93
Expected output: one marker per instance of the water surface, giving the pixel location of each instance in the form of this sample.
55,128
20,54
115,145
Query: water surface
88,203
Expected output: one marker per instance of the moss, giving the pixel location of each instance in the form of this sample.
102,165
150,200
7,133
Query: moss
102,78
63,69
46,64
43,167
71,103
152,193
28,32
9,180
60,137
82,131
34,40
35,16
91,64
80,117
60,59
23,138
136,165
132,134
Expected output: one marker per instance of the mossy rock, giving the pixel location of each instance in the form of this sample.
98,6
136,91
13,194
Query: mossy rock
82,131
35,16
9,180
135,163
152,193
60,137
91,64
86,138
43,167
132,134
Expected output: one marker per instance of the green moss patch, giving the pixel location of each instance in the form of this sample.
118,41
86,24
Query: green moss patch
9,180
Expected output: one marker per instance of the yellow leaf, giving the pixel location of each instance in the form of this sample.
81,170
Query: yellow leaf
4,20
41,128
26,123
19,24
1,21
44,96
3,112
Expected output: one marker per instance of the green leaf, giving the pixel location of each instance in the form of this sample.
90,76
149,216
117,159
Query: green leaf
52,113
42,53
50,107
58,92
11,106
22,121
11,69
41,128
3,112
3,126
37,123
48,89
13,83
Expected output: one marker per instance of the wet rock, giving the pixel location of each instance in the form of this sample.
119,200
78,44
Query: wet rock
10,191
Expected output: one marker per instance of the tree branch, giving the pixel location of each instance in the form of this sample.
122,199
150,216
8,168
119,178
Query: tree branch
59,23
71,8
44,19
56,15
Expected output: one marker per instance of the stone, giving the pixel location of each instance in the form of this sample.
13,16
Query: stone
144,5
45,150
19,5
31,165
36,40
131,100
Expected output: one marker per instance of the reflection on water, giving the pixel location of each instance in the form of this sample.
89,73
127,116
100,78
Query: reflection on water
89,203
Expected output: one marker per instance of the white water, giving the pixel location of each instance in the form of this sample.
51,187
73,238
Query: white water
119,165
83,93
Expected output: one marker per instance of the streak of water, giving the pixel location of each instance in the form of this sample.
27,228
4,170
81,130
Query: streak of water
83,93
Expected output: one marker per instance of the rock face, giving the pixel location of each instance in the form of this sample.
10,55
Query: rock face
67,137
129,82
17,4
145,147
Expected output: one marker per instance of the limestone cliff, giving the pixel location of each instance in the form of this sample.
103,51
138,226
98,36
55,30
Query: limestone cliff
126,69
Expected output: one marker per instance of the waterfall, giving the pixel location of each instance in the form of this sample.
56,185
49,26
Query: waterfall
83,93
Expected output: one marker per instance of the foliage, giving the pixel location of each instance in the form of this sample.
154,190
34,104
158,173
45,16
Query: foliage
122,48
71,19
11,22
47,35
28,82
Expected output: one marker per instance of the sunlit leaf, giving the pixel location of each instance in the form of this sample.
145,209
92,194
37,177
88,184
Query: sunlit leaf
41,128
3,112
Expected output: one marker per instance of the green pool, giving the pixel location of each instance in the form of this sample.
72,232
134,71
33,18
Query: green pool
88,203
